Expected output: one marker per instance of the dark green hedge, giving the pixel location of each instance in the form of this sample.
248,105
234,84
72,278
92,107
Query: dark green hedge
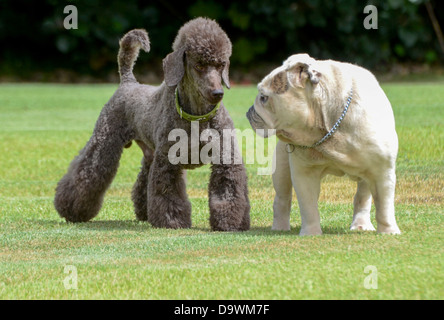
32,36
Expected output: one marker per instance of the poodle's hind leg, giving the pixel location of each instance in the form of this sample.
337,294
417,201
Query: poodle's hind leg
80,193
139,194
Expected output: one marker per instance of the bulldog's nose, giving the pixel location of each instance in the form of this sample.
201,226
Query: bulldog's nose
217,94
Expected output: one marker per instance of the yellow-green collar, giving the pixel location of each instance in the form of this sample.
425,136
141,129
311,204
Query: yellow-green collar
191,117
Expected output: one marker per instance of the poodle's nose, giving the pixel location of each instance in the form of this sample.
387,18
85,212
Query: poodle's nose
217,94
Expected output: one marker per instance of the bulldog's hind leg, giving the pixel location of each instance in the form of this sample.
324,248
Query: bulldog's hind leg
384,196
362,203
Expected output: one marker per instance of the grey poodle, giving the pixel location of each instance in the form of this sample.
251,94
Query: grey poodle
194,73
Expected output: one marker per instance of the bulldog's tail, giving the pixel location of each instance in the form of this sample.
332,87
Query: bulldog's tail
130,45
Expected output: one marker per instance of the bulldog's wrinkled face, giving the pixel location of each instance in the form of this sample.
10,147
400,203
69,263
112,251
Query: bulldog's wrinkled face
283,101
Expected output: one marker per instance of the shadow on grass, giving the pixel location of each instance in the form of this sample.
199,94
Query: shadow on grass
145,227
100,225
295,231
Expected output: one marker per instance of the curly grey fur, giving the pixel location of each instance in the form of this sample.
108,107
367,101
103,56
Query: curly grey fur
197,67
130,45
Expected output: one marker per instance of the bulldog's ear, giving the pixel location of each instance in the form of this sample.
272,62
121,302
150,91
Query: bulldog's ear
173,67
279,83
300,69
225,77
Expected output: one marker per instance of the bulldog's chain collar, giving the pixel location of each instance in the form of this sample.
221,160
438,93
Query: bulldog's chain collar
190,117
290,147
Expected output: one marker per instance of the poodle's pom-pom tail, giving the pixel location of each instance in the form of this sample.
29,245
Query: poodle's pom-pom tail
130,45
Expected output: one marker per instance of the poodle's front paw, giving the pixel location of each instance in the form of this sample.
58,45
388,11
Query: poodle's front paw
228,215
163,213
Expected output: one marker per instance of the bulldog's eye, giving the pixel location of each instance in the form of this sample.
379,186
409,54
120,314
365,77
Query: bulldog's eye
263,99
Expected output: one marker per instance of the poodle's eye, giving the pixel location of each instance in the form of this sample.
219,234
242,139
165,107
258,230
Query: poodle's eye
263,98
199,67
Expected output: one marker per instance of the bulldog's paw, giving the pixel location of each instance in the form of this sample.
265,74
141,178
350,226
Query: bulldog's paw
362,226
388,229
280,224
313,231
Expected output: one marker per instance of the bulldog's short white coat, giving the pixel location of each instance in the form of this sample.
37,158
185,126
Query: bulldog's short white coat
303,99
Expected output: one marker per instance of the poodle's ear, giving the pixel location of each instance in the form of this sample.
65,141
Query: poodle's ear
173,67
225,77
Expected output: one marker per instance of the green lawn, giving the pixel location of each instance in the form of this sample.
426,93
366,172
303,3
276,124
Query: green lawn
42,127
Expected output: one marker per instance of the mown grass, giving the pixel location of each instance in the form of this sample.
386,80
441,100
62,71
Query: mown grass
42,127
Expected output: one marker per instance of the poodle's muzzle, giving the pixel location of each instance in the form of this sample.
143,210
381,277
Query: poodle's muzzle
215,96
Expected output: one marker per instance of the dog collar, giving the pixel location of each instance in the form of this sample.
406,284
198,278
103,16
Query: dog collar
290,147
190,117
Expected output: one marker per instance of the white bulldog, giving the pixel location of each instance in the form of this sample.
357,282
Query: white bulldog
330,118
